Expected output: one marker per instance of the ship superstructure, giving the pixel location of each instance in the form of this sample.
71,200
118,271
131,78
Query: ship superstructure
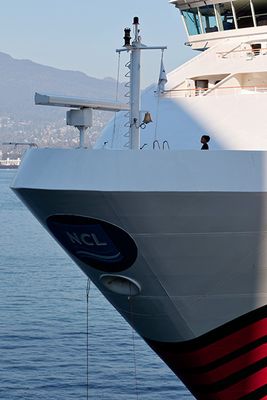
221,91
176,239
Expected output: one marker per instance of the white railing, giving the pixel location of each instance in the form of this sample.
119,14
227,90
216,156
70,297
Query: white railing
222,90
9,163
248,53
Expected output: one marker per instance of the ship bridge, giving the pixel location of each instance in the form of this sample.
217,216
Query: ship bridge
208,21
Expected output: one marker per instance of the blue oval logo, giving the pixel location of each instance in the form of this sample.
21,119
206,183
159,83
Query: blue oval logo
97,243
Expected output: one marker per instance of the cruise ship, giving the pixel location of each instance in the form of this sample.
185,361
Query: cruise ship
173,236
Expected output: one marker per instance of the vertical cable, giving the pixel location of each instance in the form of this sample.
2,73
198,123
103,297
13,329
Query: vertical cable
158,99
87,337
133,340
117,97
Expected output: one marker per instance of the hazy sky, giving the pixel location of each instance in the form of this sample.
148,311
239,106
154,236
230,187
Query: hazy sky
83,34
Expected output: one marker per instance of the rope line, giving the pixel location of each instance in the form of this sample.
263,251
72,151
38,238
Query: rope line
158,99
134,347
157,118
87,337
116,97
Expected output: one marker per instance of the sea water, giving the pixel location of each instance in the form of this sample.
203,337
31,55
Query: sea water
43,309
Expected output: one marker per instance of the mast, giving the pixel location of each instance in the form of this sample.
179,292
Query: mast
135,91
135,49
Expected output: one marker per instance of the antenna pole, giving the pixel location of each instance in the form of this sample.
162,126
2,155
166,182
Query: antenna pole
135,88
135,49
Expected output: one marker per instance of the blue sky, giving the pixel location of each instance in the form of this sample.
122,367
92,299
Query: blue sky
83,34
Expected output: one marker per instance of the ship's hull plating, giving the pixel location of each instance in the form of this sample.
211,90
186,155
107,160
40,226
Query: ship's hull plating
185,268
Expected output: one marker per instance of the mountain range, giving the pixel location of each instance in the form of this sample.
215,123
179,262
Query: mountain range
20,79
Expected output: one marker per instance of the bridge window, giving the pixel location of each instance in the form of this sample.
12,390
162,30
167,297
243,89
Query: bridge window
260,9
209,22
191,18
243,13
225,16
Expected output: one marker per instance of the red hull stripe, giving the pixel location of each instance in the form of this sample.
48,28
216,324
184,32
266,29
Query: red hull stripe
228,363
232,367
243,387
231,380
260,394
227,345
223,331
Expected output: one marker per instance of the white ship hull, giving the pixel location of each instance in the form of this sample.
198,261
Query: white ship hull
176,241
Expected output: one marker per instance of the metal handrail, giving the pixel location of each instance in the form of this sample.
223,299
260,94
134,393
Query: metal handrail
145,144
154,144
225,53
167,143
15,144
218,88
